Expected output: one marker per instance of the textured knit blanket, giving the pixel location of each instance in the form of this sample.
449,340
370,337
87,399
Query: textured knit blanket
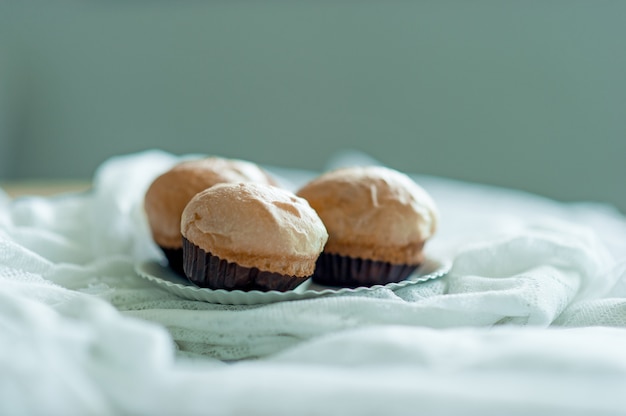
530,319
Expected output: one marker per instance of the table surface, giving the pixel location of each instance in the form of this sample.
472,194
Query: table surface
43,187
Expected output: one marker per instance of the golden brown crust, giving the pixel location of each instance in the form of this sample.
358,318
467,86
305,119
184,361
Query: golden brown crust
169,193
373,213
411,254
256,225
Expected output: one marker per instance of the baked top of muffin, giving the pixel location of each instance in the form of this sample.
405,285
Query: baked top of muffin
373,212
169,193
256,225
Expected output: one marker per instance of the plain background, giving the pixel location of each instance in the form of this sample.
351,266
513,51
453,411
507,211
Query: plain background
523,94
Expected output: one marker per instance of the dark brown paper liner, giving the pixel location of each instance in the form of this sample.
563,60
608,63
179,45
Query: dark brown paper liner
344,271
206,270
174,258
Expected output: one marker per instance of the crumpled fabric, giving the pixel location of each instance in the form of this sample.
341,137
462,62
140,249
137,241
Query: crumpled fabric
533,289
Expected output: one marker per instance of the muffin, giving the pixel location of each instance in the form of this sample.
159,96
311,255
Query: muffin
378,220
250,236
169,193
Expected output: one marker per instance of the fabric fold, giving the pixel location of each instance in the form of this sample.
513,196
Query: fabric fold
523,268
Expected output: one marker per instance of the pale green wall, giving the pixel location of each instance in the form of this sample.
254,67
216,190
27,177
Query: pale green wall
526,94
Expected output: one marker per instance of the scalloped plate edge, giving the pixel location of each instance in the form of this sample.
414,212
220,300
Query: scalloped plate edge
157,273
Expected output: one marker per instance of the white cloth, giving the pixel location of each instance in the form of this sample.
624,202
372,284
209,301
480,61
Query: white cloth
81,333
